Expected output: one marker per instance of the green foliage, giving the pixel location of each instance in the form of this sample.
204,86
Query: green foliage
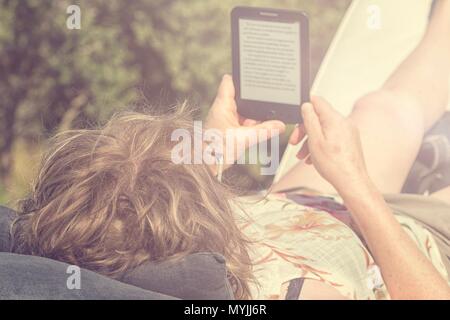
53,78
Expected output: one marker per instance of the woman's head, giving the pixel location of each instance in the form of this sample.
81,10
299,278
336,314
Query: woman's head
110,199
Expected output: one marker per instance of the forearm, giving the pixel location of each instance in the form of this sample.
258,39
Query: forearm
408,274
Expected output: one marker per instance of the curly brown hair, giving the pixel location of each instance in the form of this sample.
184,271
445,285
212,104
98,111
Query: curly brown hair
110,199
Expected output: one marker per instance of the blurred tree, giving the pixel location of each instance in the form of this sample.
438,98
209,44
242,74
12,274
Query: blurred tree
182,48
52,78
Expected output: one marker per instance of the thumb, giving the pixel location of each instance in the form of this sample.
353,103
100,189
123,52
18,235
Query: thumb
327,115
226,89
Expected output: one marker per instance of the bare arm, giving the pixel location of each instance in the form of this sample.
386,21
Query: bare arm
333,146
408,274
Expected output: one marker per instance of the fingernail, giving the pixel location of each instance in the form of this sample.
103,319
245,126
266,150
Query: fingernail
306,107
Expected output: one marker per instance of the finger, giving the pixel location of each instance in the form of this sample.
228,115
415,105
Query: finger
311,122
226,89
250,122
327,114
297,135
304,151
271,125
268,129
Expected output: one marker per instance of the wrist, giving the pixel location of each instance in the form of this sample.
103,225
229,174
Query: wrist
358,186
362,201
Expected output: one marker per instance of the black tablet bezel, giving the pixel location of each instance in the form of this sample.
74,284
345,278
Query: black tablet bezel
260,110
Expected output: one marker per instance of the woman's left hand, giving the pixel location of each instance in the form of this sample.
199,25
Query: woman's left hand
223,116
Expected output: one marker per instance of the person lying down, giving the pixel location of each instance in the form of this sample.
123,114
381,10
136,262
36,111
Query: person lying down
110,199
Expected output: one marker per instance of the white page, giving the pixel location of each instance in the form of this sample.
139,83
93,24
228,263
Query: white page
270,61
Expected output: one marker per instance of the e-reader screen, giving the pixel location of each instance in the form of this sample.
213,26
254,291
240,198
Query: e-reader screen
270,61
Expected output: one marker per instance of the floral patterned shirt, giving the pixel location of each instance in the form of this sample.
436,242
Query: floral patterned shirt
312,237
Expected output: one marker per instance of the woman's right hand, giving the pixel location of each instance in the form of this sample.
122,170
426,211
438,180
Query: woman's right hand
333,145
